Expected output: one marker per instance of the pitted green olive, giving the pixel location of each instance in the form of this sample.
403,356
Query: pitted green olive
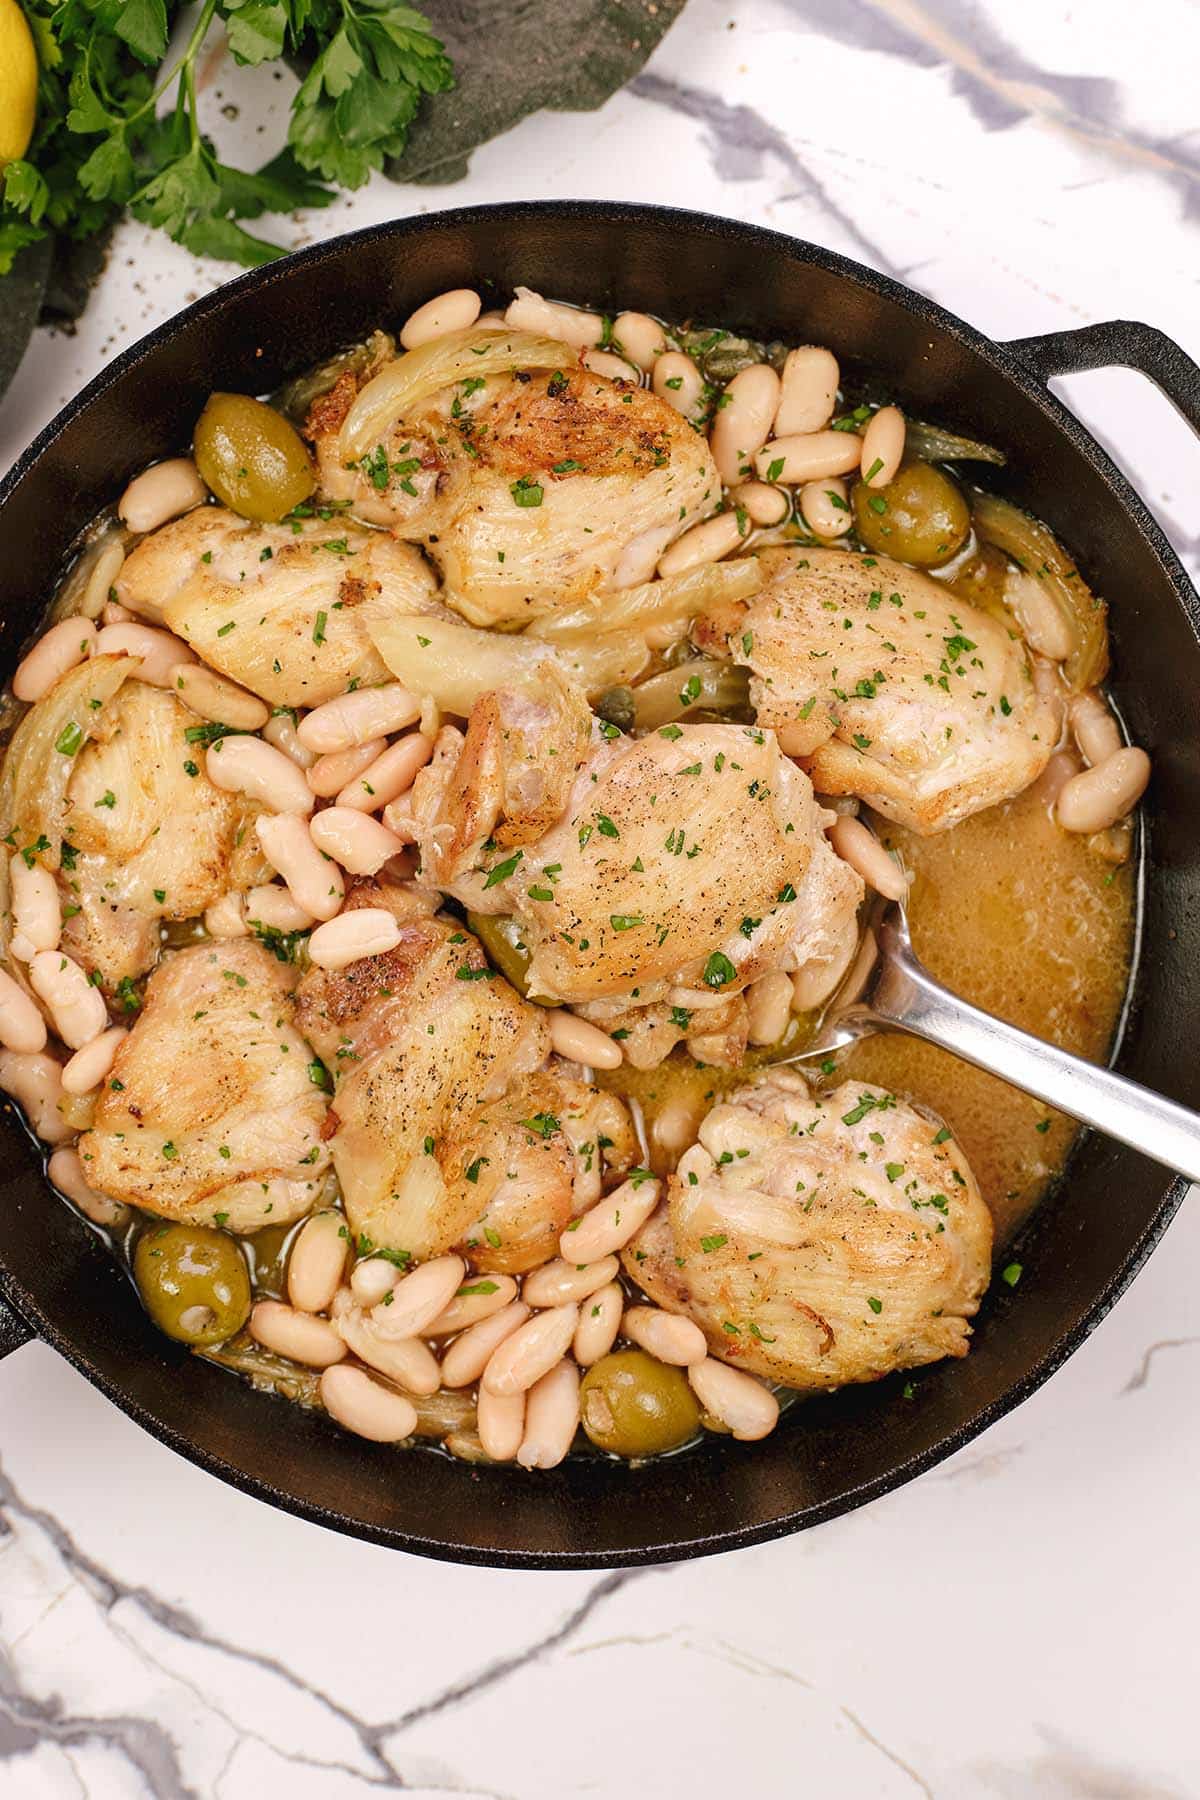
920,517
193,1281
634,1405
251,457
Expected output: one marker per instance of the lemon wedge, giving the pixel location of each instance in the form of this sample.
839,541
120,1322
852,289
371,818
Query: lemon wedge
18,82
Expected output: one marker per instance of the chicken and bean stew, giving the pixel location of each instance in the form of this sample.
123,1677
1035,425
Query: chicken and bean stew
440,809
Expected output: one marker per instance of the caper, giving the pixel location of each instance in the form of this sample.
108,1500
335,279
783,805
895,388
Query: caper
193,1282
251,457
920,516
634,1405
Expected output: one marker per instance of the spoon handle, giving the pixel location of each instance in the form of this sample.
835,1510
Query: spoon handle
908,998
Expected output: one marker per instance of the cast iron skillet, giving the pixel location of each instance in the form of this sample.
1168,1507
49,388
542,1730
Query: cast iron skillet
1084,1245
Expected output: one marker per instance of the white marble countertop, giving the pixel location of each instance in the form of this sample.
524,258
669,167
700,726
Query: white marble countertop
1020,1621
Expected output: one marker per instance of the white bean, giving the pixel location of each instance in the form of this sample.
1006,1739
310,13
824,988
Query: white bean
570,324
96,596
371,1278
161,652
314,883
582,1043
63,647
677,380
641,338
215,698
819,977
36,909
388,775
35,1081
738,1400
551,1417
825,508
1055,776
66,1173
1092,725
808,391
867,856
599,1322
675,1125
359,1403
76,1008
1100,796
762,503
280,730
500,1422
247,765
226,918
91,1065
317,1262
1037,613
478,1299
883,446
610,1224
769,1003
271,905
613,368
357,718
327,775
665,1335
161,493
417,1299
113,613
639,558
531,1350
811,457
367,931
706,543
743,421
298,1335
557,1283
469,1355
456,310
406,1361
356,840
22,1027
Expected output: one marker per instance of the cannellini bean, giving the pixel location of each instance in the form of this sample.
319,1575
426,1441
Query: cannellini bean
388,775
213,697
500,1421
469,1355
1055,776
1042,624
769,1003
96,596
317,1262
570,324
551,1417
743,421
453,311
614,368
639,558
813,984
76,1008
494,320
247,765
63,647
825,508
582,1043
665,1335
1113,845
479,1298
676,379
161,493
811,457
808,391
610,1223
1092,726
373,1277
865,854
357,718
363,1406
738,1400
113,613
271,905
641,338
90,1066
406,1361
557,1283
280,731
1100,796
882,446
226,918
299,1335
22,1027
368,931
599,1322
675,1125
66,1173
36,909
314,883
418,1298
530,1351
706,543
762,503
161,652
327,775
35,1082
356,840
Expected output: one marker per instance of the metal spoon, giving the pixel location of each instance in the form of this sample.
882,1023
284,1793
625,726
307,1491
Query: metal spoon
892,990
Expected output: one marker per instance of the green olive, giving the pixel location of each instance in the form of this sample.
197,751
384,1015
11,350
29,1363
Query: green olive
921,516
251,458
268,1252
634,1405
503,939
193,1282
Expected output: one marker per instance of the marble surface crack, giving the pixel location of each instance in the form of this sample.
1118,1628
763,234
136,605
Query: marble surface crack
1141,1374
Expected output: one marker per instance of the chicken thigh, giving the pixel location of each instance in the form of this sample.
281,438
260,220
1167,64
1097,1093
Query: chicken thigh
819,1239
887,686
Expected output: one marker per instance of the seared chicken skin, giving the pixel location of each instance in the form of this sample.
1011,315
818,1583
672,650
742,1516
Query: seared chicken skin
211,1113
449,1130
888,686
819,1239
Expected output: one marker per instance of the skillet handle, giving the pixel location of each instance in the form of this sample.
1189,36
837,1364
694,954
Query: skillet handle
1120,343
13,1330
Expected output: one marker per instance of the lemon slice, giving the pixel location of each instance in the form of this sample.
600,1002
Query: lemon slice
18,82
